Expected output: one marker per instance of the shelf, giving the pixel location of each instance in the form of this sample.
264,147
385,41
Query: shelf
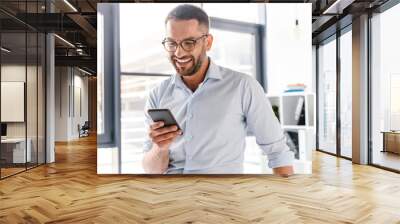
291,94
295,108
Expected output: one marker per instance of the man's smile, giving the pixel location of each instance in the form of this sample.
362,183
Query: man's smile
182,62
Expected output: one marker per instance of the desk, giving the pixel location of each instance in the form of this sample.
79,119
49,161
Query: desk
13,150
391,141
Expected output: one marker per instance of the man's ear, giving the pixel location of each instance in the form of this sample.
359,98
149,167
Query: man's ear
209,40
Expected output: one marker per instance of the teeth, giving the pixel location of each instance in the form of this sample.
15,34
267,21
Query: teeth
183,61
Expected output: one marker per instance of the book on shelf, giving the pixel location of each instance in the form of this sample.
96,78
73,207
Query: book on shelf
299,115
296,87
292,140
294,90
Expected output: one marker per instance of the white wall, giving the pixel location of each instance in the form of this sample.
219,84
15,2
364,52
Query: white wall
12,73
61,111
81,83
289,47
68,82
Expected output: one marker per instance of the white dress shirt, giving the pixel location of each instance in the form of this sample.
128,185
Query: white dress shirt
215,119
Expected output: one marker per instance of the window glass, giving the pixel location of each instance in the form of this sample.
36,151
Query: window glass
244,12
327,97
134,92
226,52
346,94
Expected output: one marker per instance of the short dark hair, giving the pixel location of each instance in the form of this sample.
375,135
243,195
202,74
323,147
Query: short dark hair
188,12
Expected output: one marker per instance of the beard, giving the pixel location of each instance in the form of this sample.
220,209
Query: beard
188,65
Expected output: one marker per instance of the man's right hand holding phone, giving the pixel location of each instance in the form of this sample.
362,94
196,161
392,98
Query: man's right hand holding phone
163,136
157,159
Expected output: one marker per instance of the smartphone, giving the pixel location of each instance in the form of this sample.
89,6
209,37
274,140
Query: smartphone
164,115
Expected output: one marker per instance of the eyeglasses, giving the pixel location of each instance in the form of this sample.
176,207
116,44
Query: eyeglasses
187,45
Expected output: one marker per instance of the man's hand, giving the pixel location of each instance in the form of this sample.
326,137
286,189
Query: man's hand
283,171
163,136
156,160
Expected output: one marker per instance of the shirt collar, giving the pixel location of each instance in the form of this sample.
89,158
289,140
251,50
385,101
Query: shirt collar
213,72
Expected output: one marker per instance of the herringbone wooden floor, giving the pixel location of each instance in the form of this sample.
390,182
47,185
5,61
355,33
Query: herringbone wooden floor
70,191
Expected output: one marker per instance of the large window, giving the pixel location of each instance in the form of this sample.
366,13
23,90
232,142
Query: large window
335,60
385,86
327,96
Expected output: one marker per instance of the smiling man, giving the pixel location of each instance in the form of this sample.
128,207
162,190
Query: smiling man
215,107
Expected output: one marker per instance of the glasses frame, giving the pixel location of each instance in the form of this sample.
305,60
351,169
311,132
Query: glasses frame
180,43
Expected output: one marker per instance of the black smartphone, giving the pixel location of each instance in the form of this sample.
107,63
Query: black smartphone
164,115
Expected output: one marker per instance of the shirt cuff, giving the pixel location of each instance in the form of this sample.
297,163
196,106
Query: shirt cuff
279,159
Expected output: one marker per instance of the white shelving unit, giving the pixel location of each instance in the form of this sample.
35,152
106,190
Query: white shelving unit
289,105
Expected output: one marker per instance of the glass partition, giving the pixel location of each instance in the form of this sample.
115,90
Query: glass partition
22,77
13,110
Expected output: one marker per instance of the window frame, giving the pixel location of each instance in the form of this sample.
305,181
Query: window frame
333,37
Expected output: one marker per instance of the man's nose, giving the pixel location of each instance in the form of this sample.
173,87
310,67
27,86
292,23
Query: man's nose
179,53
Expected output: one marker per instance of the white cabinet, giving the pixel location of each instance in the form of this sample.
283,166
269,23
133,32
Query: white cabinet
296,113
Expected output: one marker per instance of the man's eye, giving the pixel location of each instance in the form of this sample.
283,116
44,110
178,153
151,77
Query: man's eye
188,42
170,43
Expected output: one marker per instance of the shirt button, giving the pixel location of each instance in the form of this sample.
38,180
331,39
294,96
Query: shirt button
190,116
189,137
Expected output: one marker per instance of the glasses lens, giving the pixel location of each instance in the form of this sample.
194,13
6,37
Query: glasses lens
170,45
188,45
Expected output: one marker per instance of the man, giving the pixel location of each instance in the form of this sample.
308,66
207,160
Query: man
214,106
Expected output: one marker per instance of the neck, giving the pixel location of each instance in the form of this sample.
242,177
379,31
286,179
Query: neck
194,80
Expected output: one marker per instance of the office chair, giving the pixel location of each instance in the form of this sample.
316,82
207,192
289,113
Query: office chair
84,130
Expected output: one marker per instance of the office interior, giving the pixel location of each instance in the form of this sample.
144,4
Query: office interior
45,88
50,89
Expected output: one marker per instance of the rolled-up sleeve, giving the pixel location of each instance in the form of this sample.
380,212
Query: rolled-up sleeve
263,124
150,104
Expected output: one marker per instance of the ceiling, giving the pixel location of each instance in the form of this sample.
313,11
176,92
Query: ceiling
75,21
75,43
